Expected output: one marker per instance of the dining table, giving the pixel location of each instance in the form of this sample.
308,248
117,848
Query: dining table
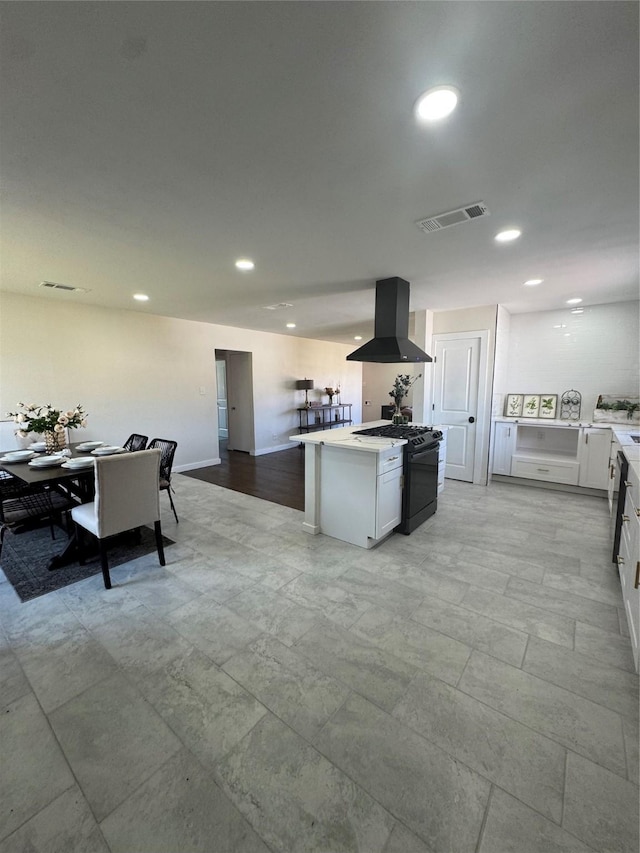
77,483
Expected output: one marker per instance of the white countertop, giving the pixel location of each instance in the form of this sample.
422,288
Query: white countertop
344,437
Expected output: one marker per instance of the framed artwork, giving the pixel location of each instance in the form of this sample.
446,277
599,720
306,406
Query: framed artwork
513,405
531,406
548,405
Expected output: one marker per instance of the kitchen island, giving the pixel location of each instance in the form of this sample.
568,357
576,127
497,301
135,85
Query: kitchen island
353,484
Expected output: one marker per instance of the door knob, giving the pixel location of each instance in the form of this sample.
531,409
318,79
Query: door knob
472,420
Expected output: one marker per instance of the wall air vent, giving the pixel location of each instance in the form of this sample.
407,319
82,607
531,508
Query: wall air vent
453,217
52,285
278,306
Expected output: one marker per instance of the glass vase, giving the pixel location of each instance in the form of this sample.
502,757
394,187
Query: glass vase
54,441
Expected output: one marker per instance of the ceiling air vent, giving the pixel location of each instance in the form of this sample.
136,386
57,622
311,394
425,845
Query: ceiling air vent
278,306
453,217
52,285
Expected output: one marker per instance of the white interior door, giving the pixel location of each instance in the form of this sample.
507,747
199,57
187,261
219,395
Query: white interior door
456,374
221,398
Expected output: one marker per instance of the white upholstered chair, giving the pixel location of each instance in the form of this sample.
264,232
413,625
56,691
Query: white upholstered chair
126,497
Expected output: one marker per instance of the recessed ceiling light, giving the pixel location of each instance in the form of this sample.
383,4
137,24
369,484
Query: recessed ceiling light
245,264
357,338
533,281
141,297
574,301
560,326
508,235
567,334
436,103
577,310
291,325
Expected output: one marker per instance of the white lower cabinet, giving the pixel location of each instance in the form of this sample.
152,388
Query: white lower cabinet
360,494
388,502
593,456
628,562
553,453
504,447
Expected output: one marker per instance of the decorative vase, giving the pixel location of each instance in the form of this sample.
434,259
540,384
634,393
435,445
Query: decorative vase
55,441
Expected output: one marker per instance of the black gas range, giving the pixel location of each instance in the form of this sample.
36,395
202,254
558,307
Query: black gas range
420,468
418,438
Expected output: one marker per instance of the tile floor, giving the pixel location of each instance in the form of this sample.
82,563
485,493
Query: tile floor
467,689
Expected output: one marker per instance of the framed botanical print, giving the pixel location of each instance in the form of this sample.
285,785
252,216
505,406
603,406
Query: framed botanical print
548,405
531,406
513,405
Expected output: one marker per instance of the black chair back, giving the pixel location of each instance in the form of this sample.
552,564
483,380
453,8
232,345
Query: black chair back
168,449
136,442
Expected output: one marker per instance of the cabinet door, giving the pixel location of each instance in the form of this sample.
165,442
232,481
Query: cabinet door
504,443
388,502
593,456
629,570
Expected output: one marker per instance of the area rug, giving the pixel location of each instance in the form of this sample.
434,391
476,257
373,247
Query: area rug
25,558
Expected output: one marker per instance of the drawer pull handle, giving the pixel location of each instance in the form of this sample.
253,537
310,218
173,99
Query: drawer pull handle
637,580
392,459
546,470
619,560
611,472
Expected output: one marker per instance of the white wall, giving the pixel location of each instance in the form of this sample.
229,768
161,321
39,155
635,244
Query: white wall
377,381
501,367
596,352
135,372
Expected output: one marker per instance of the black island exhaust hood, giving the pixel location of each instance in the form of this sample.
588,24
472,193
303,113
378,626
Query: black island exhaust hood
391,343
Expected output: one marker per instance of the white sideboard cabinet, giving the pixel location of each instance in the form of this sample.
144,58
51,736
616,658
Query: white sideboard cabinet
557,452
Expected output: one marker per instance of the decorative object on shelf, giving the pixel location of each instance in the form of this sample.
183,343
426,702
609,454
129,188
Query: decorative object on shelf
49,422
401,386
548,405
617,408
305,385
330,392
570,405
531,406
513,405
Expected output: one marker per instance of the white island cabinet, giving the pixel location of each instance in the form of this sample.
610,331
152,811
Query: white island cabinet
353,484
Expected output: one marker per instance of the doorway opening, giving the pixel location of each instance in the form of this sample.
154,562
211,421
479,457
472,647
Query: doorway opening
234,398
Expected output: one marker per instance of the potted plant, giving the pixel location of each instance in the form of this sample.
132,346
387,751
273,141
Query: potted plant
401,386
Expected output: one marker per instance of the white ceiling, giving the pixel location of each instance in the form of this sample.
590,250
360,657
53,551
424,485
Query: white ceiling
145,146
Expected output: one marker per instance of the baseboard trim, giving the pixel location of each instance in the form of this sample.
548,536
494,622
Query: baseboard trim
264,450
555,487
178,469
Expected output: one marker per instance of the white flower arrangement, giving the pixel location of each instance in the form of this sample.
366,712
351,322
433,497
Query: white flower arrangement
40,419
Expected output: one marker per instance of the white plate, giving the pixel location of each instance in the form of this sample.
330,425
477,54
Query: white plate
77,467
38,446
108,450
89,445
79,460
13,461
46,461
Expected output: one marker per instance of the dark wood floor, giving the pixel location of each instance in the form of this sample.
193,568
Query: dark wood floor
276,477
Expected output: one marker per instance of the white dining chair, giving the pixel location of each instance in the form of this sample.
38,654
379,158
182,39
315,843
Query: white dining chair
126,497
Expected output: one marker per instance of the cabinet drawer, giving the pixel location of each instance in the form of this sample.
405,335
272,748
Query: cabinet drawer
390,459
551,471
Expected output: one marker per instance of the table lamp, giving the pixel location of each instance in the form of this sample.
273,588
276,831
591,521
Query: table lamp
305,385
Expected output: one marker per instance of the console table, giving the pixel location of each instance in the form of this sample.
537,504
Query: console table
324,417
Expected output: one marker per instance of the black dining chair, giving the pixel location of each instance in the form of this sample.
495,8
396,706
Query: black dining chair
136,442
168,449
23,506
